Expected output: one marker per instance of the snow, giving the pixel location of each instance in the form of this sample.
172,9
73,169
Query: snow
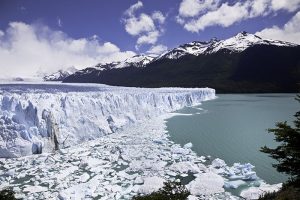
136,61
60,75
238,43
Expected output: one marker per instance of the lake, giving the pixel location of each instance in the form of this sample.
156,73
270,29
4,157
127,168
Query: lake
233,127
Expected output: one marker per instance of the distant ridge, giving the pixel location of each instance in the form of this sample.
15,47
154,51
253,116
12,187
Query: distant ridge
243,63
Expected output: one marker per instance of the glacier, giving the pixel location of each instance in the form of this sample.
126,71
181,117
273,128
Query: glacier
68,141
38,118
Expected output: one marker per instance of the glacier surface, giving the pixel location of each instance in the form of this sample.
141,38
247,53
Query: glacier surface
42,118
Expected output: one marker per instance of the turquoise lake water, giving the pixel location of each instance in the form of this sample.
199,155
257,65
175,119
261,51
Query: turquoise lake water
233,127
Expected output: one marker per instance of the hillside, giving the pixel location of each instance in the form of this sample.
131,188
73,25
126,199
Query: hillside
244,63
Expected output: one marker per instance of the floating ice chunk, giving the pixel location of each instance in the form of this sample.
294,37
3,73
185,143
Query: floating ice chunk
127,176
179,150
218,163
234,184
84,177
34,189
256,192
10,172
66,172
80,191
138,180
202,167
242,171
170,173
192,197
151,184
4,185
188,145
206,184
184,167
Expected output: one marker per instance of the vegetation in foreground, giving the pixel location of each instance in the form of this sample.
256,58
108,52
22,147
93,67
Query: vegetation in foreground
170,191
288,156
7,194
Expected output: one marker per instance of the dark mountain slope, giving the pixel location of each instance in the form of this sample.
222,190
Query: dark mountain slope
260,68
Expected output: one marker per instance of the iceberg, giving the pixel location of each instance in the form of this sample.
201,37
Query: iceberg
206,184
256,192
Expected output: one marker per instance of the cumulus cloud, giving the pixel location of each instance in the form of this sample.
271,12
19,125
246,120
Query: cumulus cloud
157,15
27,48
224,16
148,38
196,15
289,5
147,28
138,25
192,8
130,11
289,32
157,49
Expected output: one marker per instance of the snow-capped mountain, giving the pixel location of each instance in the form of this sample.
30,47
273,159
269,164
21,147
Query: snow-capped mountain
238,43
243,63
60,74
135,61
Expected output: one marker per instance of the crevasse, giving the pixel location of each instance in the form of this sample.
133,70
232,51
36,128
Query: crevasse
36,119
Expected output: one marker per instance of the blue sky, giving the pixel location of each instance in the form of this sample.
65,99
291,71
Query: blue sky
106,30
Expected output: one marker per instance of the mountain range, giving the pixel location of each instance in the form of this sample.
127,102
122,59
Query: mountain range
243,63
60,75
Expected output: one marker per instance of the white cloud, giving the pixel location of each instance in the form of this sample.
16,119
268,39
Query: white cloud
149,38
147,28
157,49
259,7
25,49
192,8
1,33
130,11
157,15
137,25
196,15
225,16
289,5
289,32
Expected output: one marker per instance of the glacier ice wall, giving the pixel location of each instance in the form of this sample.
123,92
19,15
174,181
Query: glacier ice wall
44,118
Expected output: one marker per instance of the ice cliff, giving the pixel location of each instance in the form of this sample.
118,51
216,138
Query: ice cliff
43,118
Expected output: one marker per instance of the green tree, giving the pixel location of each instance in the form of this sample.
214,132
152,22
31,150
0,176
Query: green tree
170,191
7,194
288,152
